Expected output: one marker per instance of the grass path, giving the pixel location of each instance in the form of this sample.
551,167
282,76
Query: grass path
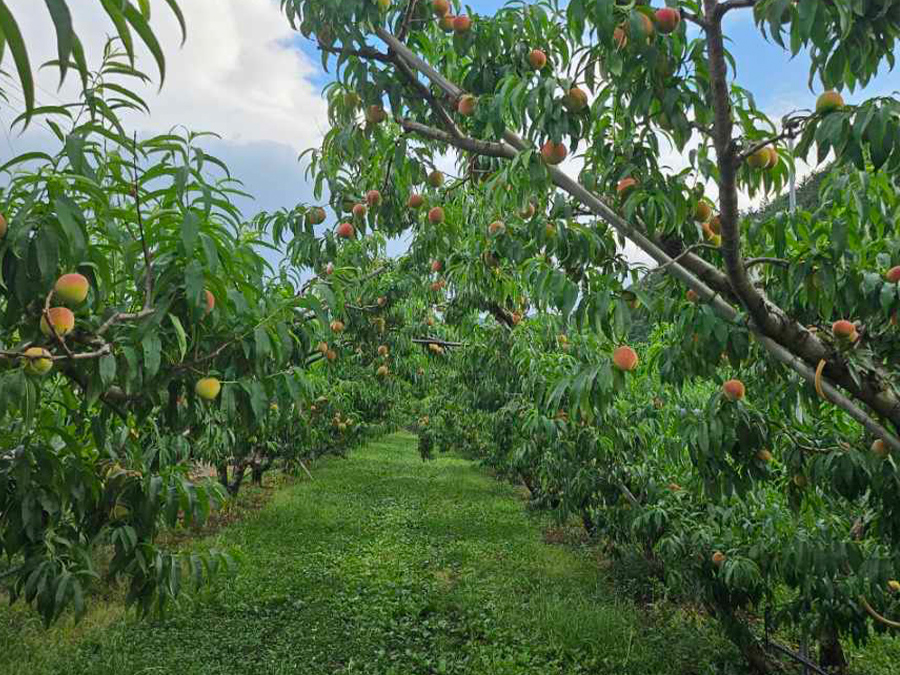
387,565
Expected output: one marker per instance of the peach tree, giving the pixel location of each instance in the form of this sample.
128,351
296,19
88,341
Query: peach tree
794,312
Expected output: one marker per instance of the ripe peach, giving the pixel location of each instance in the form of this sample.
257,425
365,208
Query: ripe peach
893,274
375,114
466,105
575,99
346,231
316,216
331,355
436,265
373,198
3,226
844,330
436,215
210,301
208,388
880,448
337,326
461,24
719,558
625,358
415,200
759,159
440,7
62,320
733,390
692,296
829,102
446,22
71,288
702,211
537,59
667,20
322,347
37,366
496,228
528,212
624,186
764,455
553,153
359,210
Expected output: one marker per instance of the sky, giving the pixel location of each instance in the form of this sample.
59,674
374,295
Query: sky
244,74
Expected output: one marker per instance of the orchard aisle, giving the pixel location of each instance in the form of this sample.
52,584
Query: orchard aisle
384,564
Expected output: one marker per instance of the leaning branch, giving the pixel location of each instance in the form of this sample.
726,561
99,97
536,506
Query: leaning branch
880,401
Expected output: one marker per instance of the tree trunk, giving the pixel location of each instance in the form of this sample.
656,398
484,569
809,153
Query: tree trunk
831,654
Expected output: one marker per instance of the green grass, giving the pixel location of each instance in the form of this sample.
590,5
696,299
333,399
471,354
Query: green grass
384,564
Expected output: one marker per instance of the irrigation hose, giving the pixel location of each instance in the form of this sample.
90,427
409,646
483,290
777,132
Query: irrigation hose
875,615
819,369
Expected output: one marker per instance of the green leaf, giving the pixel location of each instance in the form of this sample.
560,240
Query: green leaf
152,348
107,369
141,27
180,335
9,30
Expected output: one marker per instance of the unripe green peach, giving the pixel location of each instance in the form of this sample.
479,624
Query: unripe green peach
37,366
435,179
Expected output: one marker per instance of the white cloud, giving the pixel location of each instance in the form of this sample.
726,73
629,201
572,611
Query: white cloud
237,74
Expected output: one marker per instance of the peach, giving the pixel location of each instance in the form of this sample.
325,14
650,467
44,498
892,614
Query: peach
893,274
436,215
461,24
466,105
316,216
415,201
373,198
62,320
844,330
346,231
733,390
667,20
625,358
71,288
553,153
359,211
208,388
440,7
337,326
537,59
446,22
702,211
575,99
436,265
880,448
3,226
382,371
37,361
435,179
375,114
626,185
829,102
719,558
496,228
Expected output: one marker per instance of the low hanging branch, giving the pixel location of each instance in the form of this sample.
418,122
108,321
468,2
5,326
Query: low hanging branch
690,270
